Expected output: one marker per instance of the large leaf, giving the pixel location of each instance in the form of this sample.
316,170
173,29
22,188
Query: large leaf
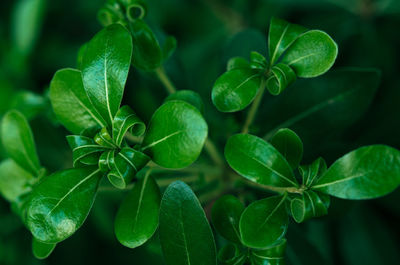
105,67
14,180
289,144
225,215
281,35
71,103
366,173
59,205
185,235
18,141
137,217
235,89
264,222
175,135
259,161
312,54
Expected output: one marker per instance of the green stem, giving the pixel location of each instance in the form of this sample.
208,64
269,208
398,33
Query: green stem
162,75
254,107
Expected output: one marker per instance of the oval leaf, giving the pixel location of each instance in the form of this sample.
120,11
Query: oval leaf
366,173
289,144
175,135
41,250
236,89
137,217
71,103
259,161
59,205
225,216
14,180
185,235
312,54
264,222
188,96
105,67
18,141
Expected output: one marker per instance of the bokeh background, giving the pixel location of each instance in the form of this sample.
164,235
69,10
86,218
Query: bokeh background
38,37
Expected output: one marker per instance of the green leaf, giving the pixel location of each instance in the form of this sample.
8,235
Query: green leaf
289,144
281,35
60,203
225,216
137,217
258,161
237,63
41,250
28,103
258,61
147,54
126,120
309,205
169,47
70,102
81,54
185,235
282,76
176,134
310,173
105,67
14,180
366,173
236,89
273,255
231,255
312,54
264,222
188,96
18,141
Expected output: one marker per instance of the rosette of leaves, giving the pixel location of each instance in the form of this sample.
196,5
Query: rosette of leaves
294,51
365,173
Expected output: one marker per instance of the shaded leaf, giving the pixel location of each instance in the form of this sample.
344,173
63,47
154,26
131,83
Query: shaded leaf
14,180
188,96
289,144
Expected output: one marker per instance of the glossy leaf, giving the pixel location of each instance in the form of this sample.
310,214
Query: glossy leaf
231,255
235,89
14,180
175,135
85,152
311,173
126,120
105,67
312,54
289,144
18,141
309,205
264,222
281,35
137,217
188,96
225,216
258,61
237,63
282,76
274,255
147,54
366,173
59,205
70,102
185,235
258,161
41,250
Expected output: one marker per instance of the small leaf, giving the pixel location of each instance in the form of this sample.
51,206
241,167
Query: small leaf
137,217
311,173
59,204
105,67
264,222
259,161
18,141
309,205
225,216
14,180
258,61
282,76
169,47
71,103
185,235
126,120
175,135
274,255
312,54
231,255
147,54
281,35
366,173
237,63
41,250
289,144
85,152
188,96
236,89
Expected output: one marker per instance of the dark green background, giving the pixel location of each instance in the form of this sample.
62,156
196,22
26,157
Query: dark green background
209,32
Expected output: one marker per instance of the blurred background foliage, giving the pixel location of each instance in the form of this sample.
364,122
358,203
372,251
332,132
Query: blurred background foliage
38,37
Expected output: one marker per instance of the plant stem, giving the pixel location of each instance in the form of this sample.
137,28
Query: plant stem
254,107
162,75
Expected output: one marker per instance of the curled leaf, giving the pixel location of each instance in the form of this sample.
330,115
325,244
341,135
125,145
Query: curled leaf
282,76
309,205
311,173
126,120
274,255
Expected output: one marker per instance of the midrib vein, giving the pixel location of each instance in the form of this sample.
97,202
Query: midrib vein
162,140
